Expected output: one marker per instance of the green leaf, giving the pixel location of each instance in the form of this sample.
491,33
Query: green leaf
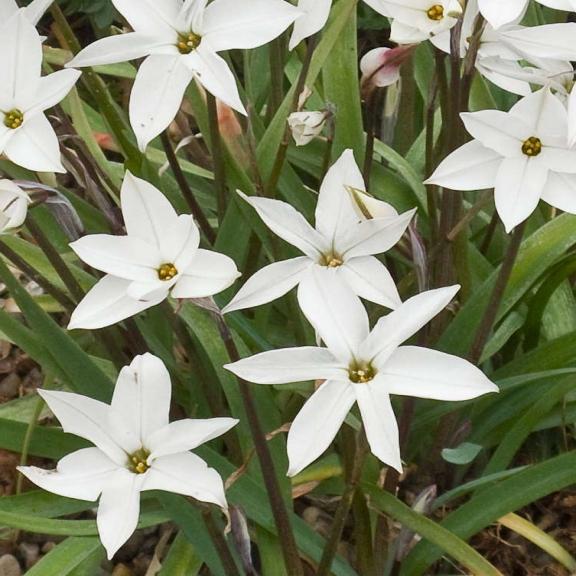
463,454
66,557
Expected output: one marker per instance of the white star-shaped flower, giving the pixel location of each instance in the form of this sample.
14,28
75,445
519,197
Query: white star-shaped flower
341,246
159,256
26,136
13,206
363,366
180,41
523,154
136,449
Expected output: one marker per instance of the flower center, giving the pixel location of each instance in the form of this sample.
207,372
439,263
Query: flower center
137,461
532,146
188,42
167,272
331,260
13,119
435,12
361,374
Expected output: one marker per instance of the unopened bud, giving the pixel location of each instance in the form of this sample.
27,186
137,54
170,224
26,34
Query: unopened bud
305,126
381,67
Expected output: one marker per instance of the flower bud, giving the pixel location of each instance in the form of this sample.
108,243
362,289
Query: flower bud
381,67
13,206
305,126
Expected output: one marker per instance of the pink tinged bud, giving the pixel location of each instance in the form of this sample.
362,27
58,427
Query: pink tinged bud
381,67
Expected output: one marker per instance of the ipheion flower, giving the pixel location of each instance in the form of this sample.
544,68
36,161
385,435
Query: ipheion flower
159,256
136,449
341,246
361,366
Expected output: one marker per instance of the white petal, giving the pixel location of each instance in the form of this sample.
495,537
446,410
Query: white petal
373,236
107,304
519,186
209,273
35,146
87,418
141,401
379,422
122,256
334,311
317,423
150,16
121,48
232,24
402,323
334,211
36,9
572,118
147,212
559,159
499,13
157,95
287,223
52,89
554,41
470,167
424,373
213,72
315,16
498,130
119,509
179,245
21,50
186,474
192,14
184,435
560,191
370,279
81,474
290,365
405,34
269,283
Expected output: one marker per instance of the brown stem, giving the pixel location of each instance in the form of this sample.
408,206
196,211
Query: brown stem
279,510
491,312
217,155
186,190
220,544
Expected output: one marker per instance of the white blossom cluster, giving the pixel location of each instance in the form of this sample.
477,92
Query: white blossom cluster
525,154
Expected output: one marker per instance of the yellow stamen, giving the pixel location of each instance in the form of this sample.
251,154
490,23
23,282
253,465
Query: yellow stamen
14,119
331,260
361,374
436,12
167,272
138,461
188,42
532,146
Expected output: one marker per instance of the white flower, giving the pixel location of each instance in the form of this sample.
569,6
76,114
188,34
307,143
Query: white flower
361,366
380,67
158,257
523,154
313,18
26,136
341,247
181,41
33,11
419,20
305,126
500,12
13,206
136,449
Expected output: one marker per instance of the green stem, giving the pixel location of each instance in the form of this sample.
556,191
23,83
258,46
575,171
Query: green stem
28,439
279,509
220,544
276,75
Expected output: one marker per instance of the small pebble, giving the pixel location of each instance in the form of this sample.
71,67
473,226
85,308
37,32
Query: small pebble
9,566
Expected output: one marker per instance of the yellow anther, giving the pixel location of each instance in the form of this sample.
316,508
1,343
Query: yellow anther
435,12
532,146
334,263
188,42
167,271
331,260
361,374
14,119
137,462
